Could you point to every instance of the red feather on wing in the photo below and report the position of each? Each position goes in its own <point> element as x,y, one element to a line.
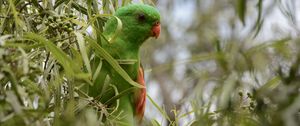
<point>140,101</point>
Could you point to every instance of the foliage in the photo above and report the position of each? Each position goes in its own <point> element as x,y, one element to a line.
<point>46,50</point>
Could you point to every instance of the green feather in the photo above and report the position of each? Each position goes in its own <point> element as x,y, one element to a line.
<point>136,21</point>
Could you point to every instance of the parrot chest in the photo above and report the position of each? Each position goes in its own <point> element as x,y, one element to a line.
<point>131,68</point>
<point>130,56</point>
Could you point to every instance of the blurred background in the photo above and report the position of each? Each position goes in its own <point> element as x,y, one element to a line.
<point>216,62</point>
<point>223,62</point>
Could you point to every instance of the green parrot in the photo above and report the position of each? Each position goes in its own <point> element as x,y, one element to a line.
<point>126,31</point>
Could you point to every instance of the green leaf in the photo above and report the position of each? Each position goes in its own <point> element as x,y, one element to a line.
<point>57,53</point>
<point>97,71</point>
<point>32,86</point>
<point>59,2</point>
<point>13,80</point>
<point>270,85</point>
<point>158,108</point>
<point>127,61</point>
<point>263,46</point>
<point>117,32</point>
<point>155,123</point>
<point>72,69</point>
<point>15,13</point>
<point>241,9</point>
<point>83,51</point>
<point>79,8</point>
<point>259,21</point>
<point>119,95</point>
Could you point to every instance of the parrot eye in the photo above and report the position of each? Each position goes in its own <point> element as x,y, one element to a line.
<point>141,17</point>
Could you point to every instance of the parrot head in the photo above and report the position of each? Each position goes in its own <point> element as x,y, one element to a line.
<point>139,22</point>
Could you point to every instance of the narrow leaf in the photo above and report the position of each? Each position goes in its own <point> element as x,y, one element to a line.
<point>158,108</point>
<point>241,9</point>
<point>83,52</point>
<point>118,30</point>
<point>57,53</point>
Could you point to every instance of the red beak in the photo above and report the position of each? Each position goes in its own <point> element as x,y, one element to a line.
<point>155,31</point>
